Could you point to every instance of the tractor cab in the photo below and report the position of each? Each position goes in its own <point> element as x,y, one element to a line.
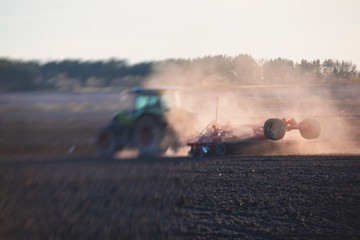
<point>156,100</point>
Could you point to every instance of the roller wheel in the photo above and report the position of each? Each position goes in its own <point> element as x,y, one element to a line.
<point>311,128</point>
<point>274,129</point>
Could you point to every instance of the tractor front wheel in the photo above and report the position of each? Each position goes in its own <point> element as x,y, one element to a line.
<point>106,142</point>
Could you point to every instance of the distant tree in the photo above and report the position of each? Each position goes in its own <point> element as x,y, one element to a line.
<point>211,65</point>
<point>247,70</point>
<point>279,71</point>
<point>70,74</point>
<point>339,72</point>
<point>309,72</point>
<point>17,75</point>
<point>344,71</point>
<point>140,69</point>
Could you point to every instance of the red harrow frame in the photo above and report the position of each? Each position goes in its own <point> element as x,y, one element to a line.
<point>221,139</point>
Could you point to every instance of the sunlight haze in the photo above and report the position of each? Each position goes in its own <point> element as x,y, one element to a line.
<point>142,30</point>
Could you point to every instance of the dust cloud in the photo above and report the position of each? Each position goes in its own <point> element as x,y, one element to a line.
<point>335,107</point>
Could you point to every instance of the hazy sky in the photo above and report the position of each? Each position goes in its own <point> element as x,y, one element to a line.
<point>140,30</point>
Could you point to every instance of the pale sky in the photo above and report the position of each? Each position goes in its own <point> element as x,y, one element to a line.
<point>145,30</point>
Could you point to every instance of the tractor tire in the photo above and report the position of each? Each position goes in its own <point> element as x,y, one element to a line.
<point>106,143</point>
<point>150,137</point>
<point>274,129</point>
<point>220,148</point>
<point>311,128</point>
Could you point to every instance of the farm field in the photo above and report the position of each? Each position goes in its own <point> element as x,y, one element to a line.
<point>243,197</point>
<point>52,185</point>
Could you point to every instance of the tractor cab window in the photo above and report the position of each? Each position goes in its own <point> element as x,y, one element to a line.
<point>147,101</point>
<point>141,101</point>
<point>154,101</point>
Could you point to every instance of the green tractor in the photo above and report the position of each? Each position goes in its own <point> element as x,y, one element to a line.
<point>144,127</point>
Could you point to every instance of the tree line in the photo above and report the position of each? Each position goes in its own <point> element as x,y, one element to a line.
<point>18,75</point>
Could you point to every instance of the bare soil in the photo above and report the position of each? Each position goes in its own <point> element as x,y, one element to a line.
<point>53,187</point>
<point>243,197</point>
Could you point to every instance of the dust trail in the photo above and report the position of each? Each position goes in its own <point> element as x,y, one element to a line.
<point>127,153</point>
<point>336,107</point>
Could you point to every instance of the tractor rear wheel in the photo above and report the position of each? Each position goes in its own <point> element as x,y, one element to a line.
<point>149,137</point>
<point>274,129</point>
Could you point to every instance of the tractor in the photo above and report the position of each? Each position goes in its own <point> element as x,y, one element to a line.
<point>146,126</point>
